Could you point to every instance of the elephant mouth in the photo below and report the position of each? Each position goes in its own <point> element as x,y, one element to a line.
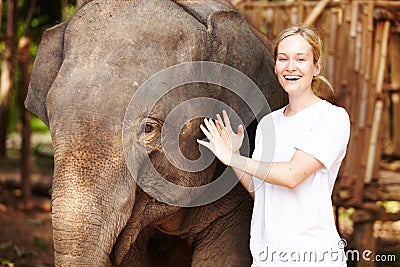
<point>145,216</point>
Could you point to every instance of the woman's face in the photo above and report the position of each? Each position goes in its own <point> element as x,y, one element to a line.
<point>294,65</point>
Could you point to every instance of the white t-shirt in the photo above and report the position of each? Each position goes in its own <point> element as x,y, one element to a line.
<point>295,227</point>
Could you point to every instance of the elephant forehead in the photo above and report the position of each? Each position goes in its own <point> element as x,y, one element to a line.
<point>112,47</point>
<point>108,31</point>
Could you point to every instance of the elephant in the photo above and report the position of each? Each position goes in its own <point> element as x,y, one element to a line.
<point>85,74</point>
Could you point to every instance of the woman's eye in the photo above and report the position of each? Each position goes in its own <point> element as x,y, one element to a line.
<point>148,128</point>
<point>282,59</point>
<point>301,59</point>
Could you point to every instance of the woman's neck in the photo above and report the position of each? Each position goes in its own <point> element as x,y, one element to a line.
<point>300,102</point>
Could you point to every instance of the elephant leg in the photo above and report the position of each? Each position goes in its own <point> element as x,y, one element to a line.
<point>156,249</point>
<point>225,242</point>
<point>168,251</point>
<point>137,255</point>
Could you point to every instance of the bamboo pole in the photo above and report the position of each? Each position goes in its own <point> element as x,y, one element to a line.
<point>359,38</point>
<point>349,191</point>
<point>365,88</point>
<point>263,4</point>
<point>331,42</point>
<point>365,63</point>
<point>342,194</point>
<point>301,10</point>
<point>395,83</point>
<point>344,46</point>
<point>353,17</point>
<point>378,106</point>
<point>372,94</point>
<point>338,57</point>
<point>388,4</point>
<point>355,100</point>
<point>316,12</point>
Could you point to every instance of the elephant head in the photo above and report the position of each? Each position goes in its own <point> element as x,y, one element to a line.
<point>84,77</point>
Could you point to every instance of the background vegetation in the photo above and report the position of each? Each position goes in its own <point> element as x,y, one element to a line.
<point>31,19</point>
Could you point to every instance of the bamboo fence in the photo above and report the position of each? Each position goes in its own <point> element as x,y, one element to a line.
<point>362,47</point>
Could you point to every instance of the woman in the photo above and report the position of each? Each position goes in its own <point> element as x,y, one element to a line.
<point>293,222</point>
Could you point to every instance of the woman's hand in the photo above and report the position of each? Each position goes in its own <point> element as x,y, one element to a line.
<point>223,141</point>
<point>228,135</point>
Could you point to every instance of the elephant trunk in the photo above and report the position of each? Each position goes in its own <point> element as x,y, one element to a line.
<point>92,197</point>
<point>76,239</point>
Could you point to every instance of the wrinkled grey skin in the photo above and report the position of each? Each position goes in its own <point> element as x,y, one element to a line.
<point>86,71</point>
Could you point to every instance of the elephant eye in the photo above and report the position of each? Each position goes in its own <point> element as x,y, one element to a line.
<point>148,128</point>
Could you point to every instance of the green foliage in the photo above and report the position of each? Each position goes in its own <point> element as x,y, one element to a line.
<point>46,13</point>
<point>70,11</point>
<point>38,126</point>
<point>41,244</point>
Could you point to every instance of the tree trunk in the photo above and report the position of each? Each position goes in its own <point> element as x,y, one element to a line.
<point>24,62</point>
<point>7,72</point>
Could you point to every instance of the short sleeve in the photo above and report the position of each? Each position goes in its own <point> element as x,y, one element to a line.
<point>327,139</point>
<point>257,145</point>
<point>263,146</point>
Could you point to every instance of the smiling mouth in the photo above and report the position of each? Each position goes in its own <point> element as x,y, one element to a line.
<point>291,77</point>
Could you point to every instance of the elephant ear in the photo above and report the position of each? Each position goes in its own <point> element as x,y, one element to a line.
<point>239,45</point>
<point>45,69</point>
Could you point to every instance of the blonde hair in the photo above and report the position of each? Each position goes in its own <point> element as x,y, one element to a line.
<point>314,40</point>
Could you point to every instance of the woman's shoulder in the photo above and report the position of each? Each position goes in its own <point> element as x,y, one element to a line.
<point>274,115</point>
<point>333,111</point>
<point>335,108</point>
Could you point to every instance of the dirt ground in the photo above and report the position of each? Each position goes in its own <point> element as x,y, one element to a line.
<point>25,227</point>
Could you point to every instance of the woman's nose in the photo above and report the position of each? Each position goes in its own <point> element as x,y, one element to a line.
<point>291,66</point>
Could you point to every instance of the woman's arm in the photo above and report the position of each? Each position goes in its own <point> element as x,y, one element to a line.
<point>289,174</point>
<point>246,180</point>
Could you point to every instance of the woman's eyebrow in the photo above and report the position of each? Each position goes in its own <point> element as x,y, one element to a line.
<point>299,53</point>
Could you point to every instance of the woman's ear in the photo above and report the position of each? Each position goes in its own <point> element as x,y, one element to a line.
<point>317,69</point>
